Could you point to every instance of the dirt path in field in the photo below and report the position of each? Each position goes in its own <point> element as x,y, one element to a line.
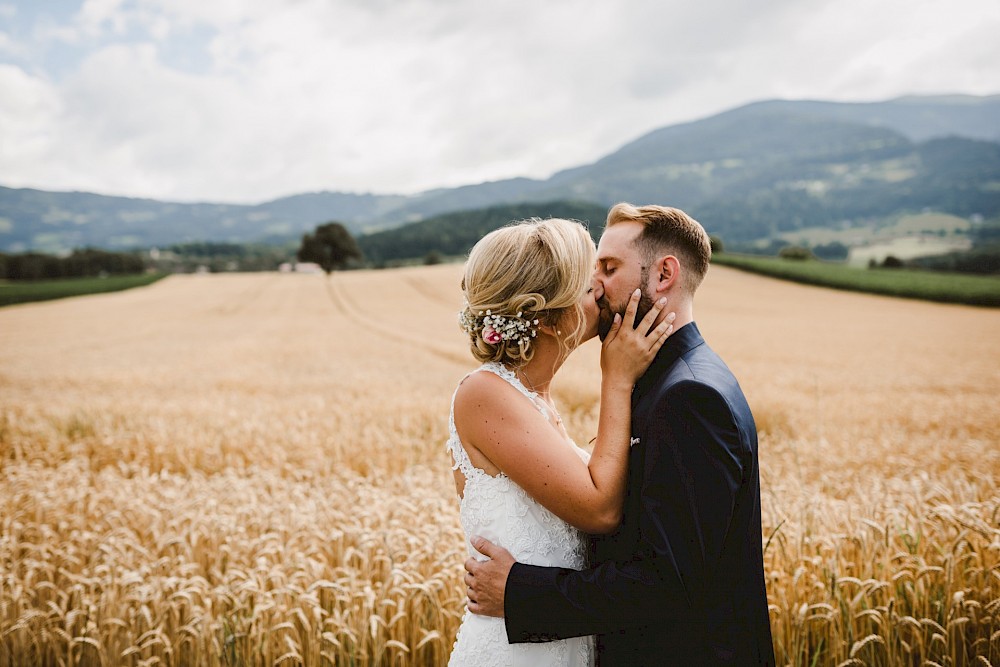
<point>394,331</point>
<point>243,300</point>
<point>426,289</point>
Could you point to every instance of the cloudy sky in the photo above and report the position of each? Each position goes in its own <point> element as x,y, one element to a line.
<point>248,100</point>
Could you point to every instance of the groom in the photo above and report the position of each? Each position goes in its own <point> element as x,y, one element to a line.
<point>681,581</point>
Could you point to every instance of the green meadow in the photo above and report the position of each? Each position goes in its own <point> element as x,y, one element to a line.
<point>909,283</point>
<point>14,292</point>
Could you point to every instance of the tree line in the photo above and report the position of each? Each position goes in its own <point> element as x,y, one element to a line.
<point>214,257</point>
<point>218,257</point>
<point>81,263</point>
<point>332,246</point>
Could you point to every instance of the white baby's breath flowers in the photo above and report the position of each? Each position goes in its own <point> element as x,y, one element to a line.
<point>496,328</point>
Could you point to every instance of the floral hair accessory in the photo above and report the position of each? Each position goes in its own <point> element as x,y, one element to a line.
<point>491,335</point>
<point>497,328</point>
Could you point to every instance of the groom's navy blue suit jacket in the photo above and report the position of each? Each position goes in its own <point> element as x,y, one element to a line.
<point>681,581</point>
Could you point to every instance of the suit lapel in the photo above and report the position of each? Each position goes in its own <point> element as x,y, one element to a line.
<point>680,343</point>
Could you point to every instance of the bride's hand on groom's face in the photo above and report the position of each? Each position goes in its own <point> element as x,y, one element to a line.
<point>628,349</point>
<point>486,580</point>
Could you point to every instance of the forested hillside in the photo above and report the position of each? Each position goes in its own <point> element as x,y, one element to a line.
<point>454,234</point>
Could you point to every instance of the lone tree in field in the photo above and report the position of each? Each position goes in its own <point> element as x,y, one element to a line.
<point>331,246</point>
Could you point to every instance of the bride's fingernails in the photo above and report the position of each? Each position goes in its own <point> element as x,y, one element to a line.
<point>662,300</point>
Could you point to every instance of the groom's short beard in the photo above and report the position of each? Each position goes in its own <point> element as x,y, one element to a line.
<point>607,315</point>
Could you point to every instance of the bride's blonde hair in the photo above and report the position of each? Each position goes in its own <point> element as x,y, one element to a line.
<point>529,270</point>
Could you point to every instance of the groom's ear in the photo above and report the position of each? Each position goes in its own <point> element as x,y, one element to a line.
<point>667,270</point>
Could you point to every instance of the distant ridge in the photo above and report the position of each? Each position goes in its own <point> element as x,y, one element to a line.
<point>747,173</point>
<point>918,117</point>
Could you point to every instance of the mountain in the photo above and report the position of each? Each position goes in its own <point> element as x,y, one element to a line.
<point>762,169</point>
<point>746,173</point>
<point>751,146</point>
<point>919,118</point>
<point>53,221</point>
<point>58,221</point>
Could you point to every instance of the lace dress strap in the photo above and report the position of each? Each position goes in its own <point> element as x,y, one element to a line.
<point>454,444</point>
<point>511,377</point>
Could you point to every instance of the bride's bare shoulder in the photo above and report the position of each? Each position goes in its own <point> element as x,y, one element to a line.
<point>487,400</point>
<point>480,390</point>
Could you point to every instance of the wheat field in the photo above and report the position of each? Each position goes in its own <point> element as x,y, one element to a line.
<point>249,469</point>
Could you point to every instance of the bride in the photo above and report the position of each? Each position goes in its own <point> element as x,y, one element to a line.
<point>523,483</point>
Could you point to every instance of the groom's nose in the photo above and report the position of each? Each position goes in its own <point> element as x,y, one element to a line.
<point>595,280</point>
<point>598,290</point>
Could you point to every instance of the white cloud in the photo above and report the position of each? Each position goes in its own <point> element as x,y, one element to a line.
<point>398,97</point>
<point>11,47</point>
<point>29,116</point>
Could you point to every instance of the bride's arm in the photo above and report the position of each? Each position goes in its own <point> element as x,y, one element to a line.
<point>515,436</point>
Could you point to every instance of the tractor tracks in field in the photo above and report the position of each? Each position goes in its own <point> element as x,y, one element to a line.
<point>422,287</point>
<point>241,301</point>
<point>343,305</point>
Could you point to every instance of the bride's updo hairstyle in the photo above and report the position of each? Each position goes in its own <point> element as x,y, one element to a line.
<point>529,270</point>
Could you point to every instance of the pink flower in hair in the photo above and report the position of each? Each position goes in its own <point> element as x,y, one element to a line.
<point>491,335</point>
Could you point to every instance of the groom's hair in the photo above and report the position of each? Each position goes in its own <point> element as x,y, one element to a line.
<point>668,231</point>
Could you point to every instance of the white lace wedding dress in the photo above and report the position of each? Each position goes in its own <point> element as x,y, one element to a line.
<point>499,510</point>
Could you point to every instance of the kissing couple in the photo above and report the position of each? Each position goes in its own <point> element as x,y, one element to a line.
<point>648,550</point>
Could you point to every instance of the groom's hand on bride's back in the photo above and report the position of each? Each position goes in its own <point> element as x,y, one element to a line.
<point>486,580</point>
